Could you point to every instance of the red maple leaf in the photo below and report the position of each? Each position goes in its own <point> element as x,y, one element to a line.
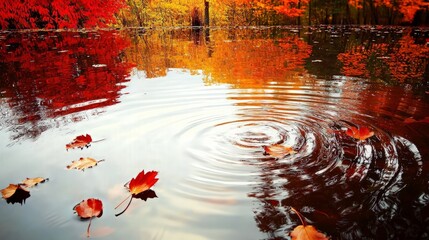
<point>80,142</point>
<point>88,209</point>
<point>140,185</point>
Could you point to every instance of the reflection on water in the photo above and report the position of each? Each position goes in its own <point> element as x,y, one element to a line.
<point>47,75</point>
<point>197,108</point>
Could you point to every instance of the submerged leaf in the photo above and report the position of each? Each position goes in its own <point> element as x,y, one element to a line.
<point>278,150</point>
<point>307,232</point>
<point>80,142</point>
<point>360,133</point>
<point>83,163</point>
<point>88,209</point>
<point>30,182</point>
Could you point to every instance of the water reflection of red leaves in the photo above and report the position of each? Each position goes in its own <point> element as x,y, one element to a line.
<point>80,142</point>
<point>87,209</point>
<point>404,60</point>
<point>139,187</point>
<point>48,74</point>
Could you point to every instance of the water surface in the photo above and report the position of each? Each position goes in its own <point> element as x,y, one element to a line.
<point>198,106</point>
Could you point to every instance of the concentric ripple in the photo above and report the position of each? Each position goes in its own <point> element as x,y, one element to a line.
<point>218,133</point>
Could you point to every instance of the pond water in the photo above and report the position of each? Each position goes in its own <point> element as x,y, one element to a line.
<point>198,106</point>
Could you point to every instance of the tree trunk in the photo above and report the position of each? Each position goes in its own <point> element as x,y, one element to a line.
<point>206,14</point>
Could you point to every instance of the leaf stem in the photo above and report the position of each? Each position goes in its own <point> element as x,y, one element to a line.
<point>87,230</point>
<point>122,202</point>
<point>125,208</point>
<point>299,215</point>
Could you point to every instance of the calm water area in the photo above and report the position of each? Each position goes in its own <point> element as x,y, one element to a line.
<point>198,105</point>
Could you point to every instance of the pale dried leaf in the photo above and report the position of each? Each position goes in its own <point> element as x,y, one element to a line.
<point>30,182</point>
<point>83,163</point>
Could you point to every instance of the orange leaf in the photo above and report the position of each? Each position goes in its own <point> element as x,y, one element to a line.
<point>278,151</point>
<point>307,233</point>
<point>143,182</point>
<point>88,209</point>
<point>360,133</point>
<point>80,142</point>
<point>10,190</point>
<point>15,193</point>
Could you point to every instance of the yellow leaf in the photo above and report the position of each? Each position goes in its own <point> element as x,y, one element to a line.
<point>307,233</point>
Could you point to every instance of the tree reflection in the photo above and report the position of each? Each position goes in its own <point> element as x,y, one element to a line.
<point>47,75</point>
<point>403,60</point>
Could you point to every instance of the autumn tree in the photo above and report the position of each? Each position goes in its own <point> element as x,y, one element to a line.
<point>58,13</point>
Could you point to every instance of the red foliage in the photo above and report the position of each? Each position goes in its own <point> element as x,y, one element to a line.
<point>58,13</point>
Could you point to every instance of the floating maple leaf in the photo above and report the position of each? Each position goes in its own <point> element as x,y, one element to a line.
<point>88,209</point>
<point>360,133</point>
<point>18,193</point>
<point>308,232</point>
<point>80,142</point>
<point>304,231</point>
<point>278,150</point>
<point>30,182</point>
<point>83,163</point>
<point>9,192</point>
<point>139,187</point>
<point>15,194</point>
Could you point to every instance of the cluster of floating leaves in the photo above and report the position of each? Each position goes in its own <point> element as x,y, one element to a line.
<point>278,151</point>
<point>139,187</point>
<point>18,193</point>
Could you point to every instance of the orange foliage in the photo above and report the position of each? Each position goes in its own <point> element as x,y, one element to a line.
<point>406,61</point>
<point>292,8</point>
<point>238,61</point>
<point>409,60</point>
